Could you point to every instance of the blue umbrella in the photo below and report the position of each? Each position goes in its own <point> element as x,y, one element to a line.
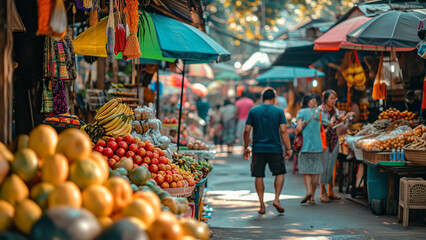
<point>288,74</point>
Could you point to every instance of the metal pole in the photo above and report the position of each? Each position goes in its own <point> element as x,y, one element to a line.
<point>181,105</point>
<point>157,103</point>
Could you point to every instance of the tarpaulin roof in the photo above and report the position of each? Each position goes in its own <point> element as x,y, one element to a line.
<point>298,56</point>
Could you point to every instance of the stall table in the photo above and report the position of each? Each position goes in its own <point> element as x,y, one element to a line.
<point>197,196</point>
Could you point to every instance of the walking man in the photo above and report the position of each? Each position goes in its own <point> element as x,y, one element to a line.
<point>269,132</point>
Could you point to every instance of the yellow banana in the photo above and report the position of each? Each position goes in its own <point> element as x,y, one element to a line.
<point>122,130</point>
<point>110,113</point>
<point>119,127</point>
<point>107,105</point>
<point>107,112</point>
<point>113,126</point>
<point>109,119</point>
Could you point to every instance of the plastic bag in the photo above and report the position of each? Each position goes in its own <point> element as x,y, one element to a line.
<point>164,142</point>
<point>147,113</point>
<point>155,124</point>
<point>58,19</point>
<point>385,141</point>
<point>379,87</point>
<point>44,14</point>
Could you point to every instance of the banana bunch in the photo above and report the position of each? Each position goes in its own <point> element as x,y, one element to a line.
<point>115,117</point>
<point>94,131</point>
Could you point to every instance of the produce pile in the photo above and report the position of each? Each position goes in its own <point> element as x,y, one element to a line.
<point>373,128</point>
<point>394,114</point>
<point>197,145</point>
<point>52,180</point>
<point>188,162</point>
<point>418,139</point>
<point>112,120</point>
<point>64,118</point>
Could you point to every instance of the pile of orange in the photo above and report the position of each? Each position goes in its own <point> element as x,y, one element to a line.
<point>64,118</point>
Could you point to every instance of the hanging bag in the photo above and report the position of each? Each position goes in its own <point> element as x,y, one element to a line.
<point>379,87</point>
<point>59,98</point>
<point>298,140</point>
<point>47,97</point>
<point>323,135</point>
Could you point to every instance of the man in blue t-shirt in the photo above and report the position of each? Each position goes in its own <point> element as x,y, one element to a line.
<point>269,132</point>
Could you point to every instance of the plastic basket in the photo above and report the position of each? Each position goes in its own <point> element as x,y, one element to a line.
<point>60,126</point>
<point>180,192</point>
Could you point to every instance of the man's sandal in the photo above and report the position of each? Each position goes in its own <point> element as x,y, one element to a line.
<point>335,196</point>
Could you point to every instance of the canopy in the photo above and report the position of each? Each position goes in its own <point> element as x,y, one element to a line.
<point>199,89</point>
<point>335,38</point>
<point>201,70</point>
<point>282,74</point>
<point>298,56</point>
<point>227,76</point>
<point>390,29</point>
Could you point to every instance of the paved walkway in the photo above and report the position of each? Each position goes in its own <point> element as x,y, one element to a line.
<point>233,197</point>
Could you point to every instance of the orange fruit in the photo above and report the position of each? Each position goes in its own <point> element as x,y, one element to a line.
<point>4,169</point>
<point>165,227</point>
<point>76,122</point>
<point>141,209</point>
<point>43,140</point>
<point>25,164</point>
<point>65,194</point>
<point>74,144</point>
<point>55,169</point>
<point>121,191</point>
<point>105,221</point>
<point>103,164</point>
<point>13,190</point>
<point>194,228</point>
<point>6,215</point>
<point>151,198</point>
<point>85,172</point>
<point>27,212</point>
<point>98,200</point>
<point>40,193</point>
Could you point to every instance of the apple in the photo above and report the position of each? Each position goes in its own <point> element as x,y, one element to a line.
<point>147,141</point>
<point>166,120</point>
<point>141,152</point>
<point>175,177</point>
<point>137,159</point>
<point>153,175</point>
<point>162,167</point>
<point>173,166</point>
<point>155,151</point>
<point>173,120</point>
<point>116,158</point>
<point>112,145</point>
<point>149,147</point>
<point>108,152</point>
<point>130,154</point>
<point>155,155</point>
<point>168,172</point>
<point>168,167</point>
<point>153,168</point>
<point>179,184</point>
<point>159,179</point>
<point>119,139</point>
<point>111,162</point>
<point>129,139</point>
<point>133,147</point>
<point>101,143</point>
<point>149,154</point>
<point>169,178</point>
<point>174,171</point>
<point>173,185</point>
<point>169,161</point>
<point>165,185</point>
<point>163,160</point>
<point>161,153</point>
<point>155,161</point>
<point>120,152</point>
<point>141,144</point>
<point>161,173</point>
<point>190,181</point>
<point>135,165</point>
<point>180,177</point>
<point>111,139</point>
<point>123,145</point>
<point>145,165</point>
<point>99,149</point>
<point>146,160</point>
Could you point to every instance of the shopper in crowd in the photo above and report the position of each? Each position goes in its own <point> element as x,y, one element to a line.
<point>329,110</point>
<point>269,132</point>
<point>216,127</point>
<point>282,101</point>
<point>203,107</point>
<point>311,153</point>
<point>228,117</point>
<point>244,104</point>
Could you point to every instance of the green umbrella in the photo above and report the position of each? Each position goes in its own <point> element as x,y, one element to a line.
<point>227,76</point>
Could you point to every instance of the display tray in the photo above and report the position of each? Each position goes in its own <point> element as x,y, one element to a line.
<point>389,163</point>
<point>180,192</point>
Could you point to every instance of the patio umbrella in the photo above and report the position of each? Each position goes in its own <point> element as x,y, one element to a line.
<point>227,76</point>
<point>199,89</point>
<point>287,74</point>
<point>390,29</point>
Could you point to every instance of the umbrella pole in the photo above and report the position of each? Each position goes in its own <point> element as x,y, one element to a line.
<point>157,102</point>
<point>181,105</point>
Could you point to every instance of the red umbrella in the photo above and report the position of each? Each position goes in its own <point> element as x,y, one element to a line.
<point>335,38</point>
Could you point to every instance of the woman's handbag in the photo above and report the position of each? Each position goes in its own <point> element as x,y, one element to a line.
<point>323,135</point>
<point>298,140</point>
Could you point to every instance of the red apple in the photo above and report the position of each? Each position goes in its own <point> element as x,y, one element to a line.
<point>173,185</point>
<point>146,160</point>
<point>145,165</point>
<point>162,167</point>
<point>119,139</point>
<point>174,171</point>
<point>166,120</point>
<point>153,175</point>
<point>175,177</point>
<point>161,153</point>
<point>169,178</point>
<point>180,177</point>
<point>155,161</point>
<point>129,139</point>
<point>133,147</point>
<point>149,147</point>
<point>99,149</point>
<point>135,165</point>
<point>111,139</point>
<point>169,161</point>
<point>108,152</point>
<point>155,155</point>
<point>149,154</point>
<point>163,160</point>
<point>161,173</point>
<point>101,143</point>
<point>165,185</point>
<point>147,141</point>
<point>179,184</point>
<point>173,120</point>
<point>153,168</point>
<point>120,152</point>
<point>141,152</point>
<point>123,145</point>
<point>168,167</point>
<point>137,160</point>
<point>130,154</point>
<point>173,166</point>
<point>116,158</point>
<point>168,172</point>
<point>159,179</point>
<point>155,151</point>
<point>141,144</point>
<point>111,162</point>
<point>112,145</point>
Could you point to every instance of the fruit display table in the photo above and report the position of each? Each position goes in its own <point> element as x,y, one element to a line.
<point>197,197</point>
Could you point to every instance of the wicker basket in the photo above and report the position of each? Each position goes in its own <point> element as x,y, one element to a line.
<point>375,157</point>
<point>417,157</point>
<point>180,192</point>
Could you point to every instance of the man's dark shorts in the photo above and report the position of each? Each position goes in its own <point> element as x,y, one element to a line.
<point>274,160</point>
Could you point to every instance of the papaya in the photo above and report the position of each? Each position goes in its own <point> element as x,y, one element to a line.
<point>55,169</point>
<point>13,190</point>
<point>27,212</point>
<point>43,140</point>
<point>25,164</point>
